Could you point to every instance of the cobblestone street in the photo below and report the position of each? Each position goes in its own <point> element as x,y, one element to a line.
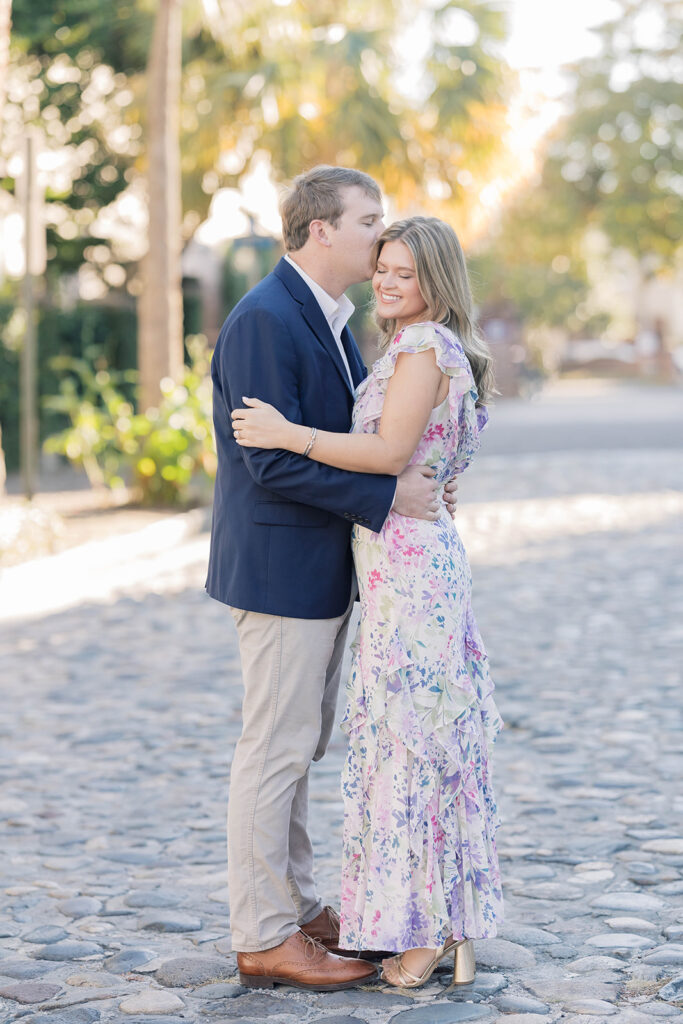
<point>120,715</point>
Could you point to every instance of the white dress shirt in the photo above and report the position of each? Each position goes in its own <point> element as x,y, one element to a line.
<point>337,313</point>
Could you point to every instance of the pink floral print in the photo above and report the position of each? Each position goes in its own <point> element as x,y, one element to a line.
<point>419,853</point>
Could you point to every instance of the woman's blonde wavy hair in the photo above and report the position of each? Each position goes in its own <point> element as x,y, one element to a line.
<point>444,285</point>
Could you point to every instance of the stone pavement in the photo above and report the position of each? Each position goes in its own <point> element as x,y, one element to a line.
<point>120,712</point>
<point>64,513</point>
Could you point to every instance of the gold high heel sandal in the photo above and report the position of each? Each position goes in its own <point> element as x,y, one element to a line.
<point>463,965</point>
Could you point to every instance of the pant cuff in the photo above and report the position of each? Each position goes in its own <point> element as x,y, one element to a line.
<point>314,913</point>
<point>261,947</point>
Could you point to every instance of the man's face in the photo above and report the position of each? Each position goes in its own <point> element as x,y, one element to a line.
<point>354,237</point>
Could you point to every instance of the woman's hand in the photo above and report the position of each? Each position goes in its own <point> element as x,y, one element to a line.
<point>260,426</point>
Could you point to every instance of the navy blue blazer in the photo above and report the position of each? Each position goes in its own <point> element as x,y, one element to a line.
<point>280,535</point>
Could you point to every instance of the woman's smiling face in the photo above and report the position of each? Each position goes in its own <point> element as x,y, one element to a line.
<point>395,285</point>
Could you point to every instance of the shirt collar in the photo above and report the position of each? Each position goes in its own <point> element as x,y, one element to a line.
<point>337,313</point>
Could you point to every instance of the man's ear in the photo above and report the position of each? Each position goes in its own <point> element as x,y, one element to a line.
<point>318,230</point>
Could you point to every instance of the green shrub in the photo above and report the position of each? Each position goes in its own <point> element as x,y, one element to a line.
<point>176,458</point>
<point>101,419</point>
<point>167,454</point>
<point>109,330</point>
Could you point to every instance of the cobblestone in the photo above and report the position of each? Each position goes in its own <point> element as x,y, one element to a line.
<point>674,990</point>
<point>122,708</point>
<point>29,991</point>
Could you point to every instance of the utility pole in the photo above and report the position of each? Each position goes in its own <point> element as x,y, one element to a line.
<point>5,27</point>
<point>34,264</point>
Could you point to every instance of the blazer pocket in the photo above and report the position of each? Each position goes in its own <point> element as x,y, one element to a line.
<point>287,513</point>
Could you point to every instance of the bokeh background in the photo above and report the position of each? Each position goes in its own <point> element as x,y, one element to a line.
<point>549,135</point>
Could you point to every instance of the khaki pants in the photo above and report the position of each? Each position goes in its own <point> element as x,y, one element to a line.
<point>291,669</point>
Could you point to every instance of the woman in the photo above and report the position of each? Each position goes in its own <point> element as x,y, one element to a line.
<point>420,870</point>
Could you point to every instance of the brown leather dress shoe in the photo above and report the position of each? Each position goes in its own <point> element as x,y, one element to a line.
<point>325,928</point>
<point>304,963</point>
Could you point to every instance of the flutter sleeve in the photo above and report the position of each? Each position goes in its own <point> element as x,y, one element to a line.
<point>451,360</point>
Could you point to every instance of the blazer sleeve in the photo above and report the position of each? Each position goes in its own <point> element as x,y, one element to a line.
<point>257,357</point>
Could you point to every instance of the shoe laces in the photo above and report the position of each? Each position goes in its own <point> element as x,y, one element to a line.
<point>312,947</point>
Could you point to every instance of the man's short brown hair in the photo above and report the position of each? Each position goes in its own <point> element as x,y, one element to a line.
<point>316,195</point>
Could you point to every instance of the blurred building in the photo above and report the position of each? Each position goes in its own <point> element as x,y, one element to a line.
<point>502,329</point>
<point>216,276</point>
<point>645,306</point>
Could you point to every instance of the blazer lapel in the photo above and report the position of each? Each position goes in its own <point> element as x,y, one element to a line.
<point>353,355</point>
<point>314,317</point>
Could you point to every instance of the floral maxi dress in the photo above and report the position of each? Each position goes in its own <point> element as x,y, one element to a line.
<point>419,854</point>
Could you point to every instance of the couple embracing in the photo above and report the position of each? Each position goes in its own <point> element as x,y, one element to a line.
<point>323,469</point>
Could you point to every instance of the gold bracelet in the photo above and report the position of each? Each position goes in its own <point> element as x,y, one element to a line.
<point>311,442</point>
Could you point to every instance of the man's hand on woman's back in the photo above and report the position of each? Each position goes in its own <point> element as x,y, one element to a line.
<point>417,494</point>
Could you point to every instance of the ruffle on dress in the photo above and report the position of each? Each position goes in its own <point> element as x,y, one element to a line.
<point>452,360</point>
<point>454,724</point>
<point>442,734</point>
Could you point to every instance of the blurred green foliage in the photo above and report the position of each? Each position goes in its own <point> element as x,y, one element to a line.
<point>617,159</point>
<point>612,166</point>
<point>73,62</point>
<point>109,330</point>
<point>103,427</point>
<point>306,83</point>
<point>97,331</point>
<point>167,455</point>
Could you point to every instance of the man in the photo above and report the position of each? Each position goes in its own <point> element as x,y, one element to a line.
<point>281,559</point>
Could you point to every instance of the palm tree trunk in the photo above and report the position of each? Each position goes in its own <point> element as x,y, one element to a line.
<point>5,24</point>
<point>160,309</point>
